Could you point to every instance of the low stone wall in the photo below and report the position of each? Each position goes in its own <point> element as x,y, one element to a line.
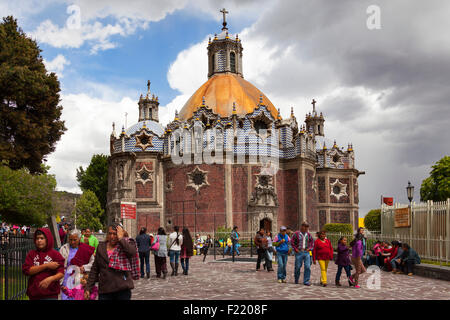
<point>432,271</point>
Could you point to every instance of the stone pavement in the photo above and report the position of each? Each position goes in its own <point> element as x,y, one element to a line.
<point>224,280</point>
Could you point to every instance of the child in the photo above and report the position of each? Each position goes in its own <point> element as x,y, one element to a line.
<point>357,253</point>
<point>77,293</point>
<point>45,266</point>
<point>343,260</point>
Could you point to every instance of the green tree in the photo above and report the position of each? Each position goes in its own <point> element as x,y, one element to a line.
<point>30,122</point>
<point>95,178</point>
<point>88,211</point>
<point>437,186</point>
<point>372,220</point>
<point>25,198</point>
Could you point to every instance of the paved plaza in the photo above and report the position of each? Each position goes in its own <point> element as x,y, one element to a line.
<point>224,280</point>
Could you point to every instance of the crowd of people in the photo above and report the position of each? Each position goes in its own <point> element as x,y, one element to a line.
<point>85,269</point>
<point>12,229</point>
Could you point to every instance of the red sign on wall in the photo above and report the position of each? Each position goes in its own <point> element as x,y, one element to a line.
<point>128,210</point>
<point>388,201</point>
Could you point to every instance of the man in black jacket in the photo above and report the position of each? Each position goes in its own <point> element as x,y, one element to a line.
<point>143,244</point>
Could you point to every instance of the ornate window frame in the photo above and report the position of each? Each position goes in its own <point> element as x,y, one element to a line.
<point>342,187</point>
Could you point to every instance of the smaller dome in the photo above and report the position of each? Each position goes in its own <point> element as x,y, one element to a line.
<point>153,126</point>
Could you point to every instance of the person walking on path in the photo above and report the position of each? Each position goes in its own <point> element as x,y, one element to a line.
<point>302,242</point>
<point>234,236</point>
<point>208,244</point>
<point>262,246</point>
<point>75,253</point>
<point>143,244</point>
<point>343,261</point>
<point>115,266</point>
<point>161,253</point>
<point>281,242</point>
<point>187,251</point>
<point>357,253</point>
<point>89,238</point>
<point>45,268</point>
<point>270,249</point>
<point>63,233</point>
<point>175,242</point>
<point>323,252</point>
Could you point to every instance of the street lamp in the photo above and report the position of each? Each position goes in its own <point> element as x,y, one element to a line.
<point>410,192</point>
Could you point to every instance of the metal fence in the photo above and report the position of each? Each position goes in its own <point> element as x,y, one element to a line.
<point>429,229</point>
<point>13,251</point>
<point>429,249</point>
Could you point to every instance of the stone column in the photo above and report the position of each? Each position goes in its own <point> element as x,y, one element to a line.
<point>228,196</point>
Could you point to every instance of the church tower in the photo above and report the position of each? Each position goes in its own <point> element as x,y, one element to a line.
<point>224,52</point>
<point>314,122</point>
<point>148,106</point>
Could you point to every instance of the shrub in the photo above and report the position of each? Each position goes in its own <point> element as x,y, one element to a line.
<point>223,233</point>
<point>344,228</point>
<point>372,220</point>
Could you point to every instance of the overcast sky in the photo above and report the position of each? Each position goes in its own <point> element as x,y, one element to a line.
<point>384,90</point>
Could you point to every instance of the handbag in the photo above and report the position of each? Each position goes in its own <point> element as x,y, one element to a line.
<point>155,246</point>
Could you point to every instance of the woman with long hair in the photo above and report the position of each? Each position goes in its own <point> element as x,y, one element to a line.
<point>143,244</point>
<point>187,250</point>
<point>357,253</point>
<point>161,253</point>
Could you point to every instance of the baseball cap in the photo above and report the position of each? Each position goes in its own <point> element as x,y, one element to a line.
<point>283,228</point>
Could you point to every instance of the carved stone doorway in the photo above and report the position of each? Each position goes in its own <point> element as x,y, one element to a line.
<point>266,224</point>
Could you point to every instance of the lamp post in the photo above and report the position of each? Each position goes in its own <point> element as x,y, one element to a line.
<point>410,192</point>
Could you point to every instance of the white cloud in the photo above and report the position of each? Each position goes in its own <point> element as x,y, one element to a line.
<point>57,64</point>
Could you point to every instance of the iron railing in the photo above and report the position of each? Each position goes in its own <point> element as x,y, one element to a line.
<point>13,251</point>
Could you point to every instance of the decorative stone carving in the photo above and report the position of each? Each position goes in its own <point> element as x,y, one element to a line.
<point>169,186</point>
<point>336,158</point>
<point>197,179</point>
<point>338,189</point>
<point>264,194</point>
<point>144,175</point>
<point>144,140</point>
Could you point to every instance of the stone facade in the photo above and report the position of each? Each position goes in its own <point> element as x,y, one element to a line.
<point>167,171</point>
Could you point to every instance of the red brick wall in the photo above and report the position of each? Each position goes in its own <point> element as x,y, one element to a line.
<point>321,187</point>
<point>356,219</point>
<point>311,199</point>
<point>148,220</point>
<point>239,181</point>
<point>344,199</point>
<point>144,191</point>
<point>340,216</point>
<point>287,193</point>
<point>322,218</point>
<point>210,199</point>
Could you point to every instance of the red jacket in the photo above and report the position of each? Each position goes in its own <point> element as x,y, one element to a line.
<point>37,258</point>
<point>322,250</point>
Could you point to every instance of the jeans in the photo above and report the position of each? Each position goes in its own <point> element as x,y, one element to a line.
<point>408,266</point>
<point>231,250</point>
<point>145,257</point>
<point>339,271</point>
<point>119,295</point>
<point>174,256</point>
<point>185,264</point>
<point>282,262</point>
<point>299,258</point>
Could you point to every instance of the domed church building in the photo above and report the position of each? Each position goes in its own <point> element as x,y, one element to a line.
<point>229,158</point>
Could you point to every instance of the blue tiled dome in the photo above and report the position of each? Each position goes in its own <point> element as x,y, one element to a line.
<point>153,126</point>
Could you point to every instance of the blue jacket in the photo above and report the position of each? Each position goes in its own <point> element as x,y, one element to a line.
<point>143,242</point>
<point>282,247</point>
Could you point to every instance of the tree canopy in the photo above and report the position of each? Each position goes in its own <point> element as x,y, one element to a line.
<point>372,220</point>
<point>25,198</point>
<point>30,122</point>
<point>89,211</point>
<point>95,178</point>
<point>437,186</point>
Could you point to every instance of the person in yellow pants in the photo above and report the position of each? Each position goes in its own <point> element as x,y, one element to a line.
<point>322,252</point>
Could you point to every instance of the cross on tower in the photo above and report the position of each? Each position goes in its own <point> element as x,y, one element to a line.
<point>148,87</point>
<point>224,12</point>
<point>314,105</point>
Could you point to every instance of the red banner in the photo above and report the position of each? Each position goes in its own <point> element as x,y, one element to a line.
<point>388,201</point>
<point>128,210</point>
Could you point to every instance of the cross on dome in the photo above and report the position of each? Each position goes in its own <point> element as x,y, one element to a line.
<point>224,12</point>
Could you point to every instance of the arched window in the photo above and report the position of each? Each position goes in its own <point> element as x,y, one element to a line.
<point>233,61</point>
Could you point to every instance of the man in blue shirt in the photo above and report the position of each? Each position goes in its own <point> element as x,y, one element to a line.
<point>281,241</point>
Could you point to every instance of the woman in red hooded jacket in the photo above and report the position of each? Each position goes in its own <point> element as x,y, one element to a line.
<point>45,266</point>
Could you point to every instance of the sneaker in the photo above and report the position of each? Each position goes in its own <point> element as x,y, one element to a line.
<point>351,280</point>
<point>280,281</point>
<point>307,284</point>
<point>296,281</point>
<point>284,280</point>
<point>410,274</point>
<point>324,284</point>
<point>357,287</point>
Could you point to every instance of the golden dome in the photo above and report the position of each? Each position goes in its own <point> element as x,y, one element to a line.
<point>220,91</point>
